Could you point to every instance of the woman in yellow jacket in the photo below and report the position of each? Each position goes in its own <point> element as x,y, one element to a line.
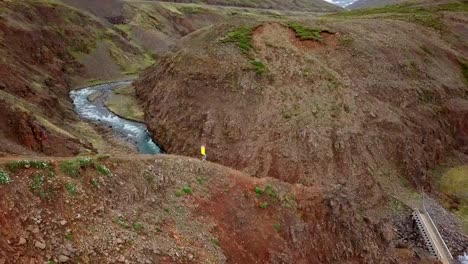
<point>203,152</point>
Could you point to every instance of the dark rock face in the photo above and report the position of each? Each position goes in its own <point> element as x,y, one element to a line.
<point>458,116</point>
<point>25,131</point>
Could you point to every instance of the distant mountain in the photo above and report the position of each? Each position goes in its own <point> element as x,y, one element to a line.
<point>378,3</point>
<point>296,5</point>
<point>342,3</point>
<point>371,3</point>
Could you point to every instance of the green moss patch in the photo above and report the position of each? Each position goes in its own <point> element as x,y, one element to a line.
<point>242,36</point>
<point>258,66</point>
<point>306,33</point>
<point>72,168</point>
<point>454,183</point>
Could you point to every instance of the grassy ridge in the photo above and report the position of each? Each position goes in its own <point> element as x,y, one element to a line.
<point>423,15</point>
<point>406,8</point>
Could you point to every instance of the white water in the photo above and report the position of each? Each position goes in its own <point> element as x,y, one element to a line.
<point>134,132</point>
<point>463,259</point>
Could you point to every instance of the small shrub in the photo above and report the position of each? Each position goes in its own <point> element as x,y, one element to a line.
<point>22,164</point>
<point>258,66</point>
<point>85,162</point>
<point>397,205</point>
<point>71,168</point>
<point>121,222</point>
<point>103,170</point>
<point>69,236</point>
<point>270,191</point>
<point>39,164</point>
<point>289,201</point>
<point>290,113</point>
<point>37,182</point>
<point>50,173</point>
<point>277,227</point>
<point>264,205</point>
<point>187,190</point>
<point>426,96</point>
<point>258,191</point>
<point>71,188</point>
<point>148,176</point>
<point>242,36</point>
<point>37,185</point>
<point>95,183</point>
<point>137,226</point>
<point>201,180</point>
<point>306,33</point>
<point>345,40</point>
<point>215,242</point>
<point>4,177</point>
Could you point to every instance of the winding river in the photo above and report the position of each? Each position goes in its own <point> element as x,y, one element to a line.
<point>131,131</point>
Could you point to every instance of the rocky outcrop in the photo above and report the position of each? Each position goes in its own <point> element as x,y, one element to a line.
<point>27,132</point>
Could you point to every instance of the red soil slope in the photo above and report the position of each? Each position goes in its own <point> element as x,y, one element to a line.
<point>140,214</point>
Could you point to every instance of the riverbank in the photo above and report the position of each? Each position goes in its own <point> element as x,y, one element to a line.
<point>122,102</point>
<point>132,132</point>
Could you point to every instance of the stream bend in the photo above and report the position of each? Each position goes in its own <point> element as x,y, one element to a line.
<point>135,133</point>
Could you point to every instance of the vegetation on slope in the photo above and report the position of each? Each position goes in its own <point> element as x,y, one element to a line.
<point>424,15</point>
<point>298,5</point>
<point>454,183</point>
<point>242,36</point>
<point>407,8</point>
<point>306,33</point>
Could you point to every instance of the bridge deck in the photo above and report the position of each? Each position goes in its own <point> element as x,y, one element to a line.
<point>432,237</point>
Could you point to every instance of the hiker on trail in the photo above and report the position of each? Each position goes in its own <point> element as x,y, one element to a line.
<point>203,152</point>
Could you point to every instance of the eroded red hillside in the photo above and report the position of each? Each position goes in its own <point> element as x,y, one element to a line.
<point>168,209</point>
